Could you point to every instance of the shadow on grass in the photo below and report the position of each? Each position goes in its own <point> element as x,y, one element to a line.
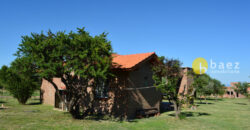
<point>34,103</point>
<point>211,99</point>
<point>117,119</point>
<point>33,111</point>
<point>36,99</point>
<point>204,103</point>
<point>192,114</point>
<point>241,103</point>
<point>2,108</point>
<point>166,106</point>
<point>102,117</point>
<point>3,102</point>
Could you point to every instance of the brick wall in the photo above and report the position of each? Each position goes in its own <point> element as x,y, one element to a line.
<point>230,93</point>
<point>121,102</point>
<point>48,91</point>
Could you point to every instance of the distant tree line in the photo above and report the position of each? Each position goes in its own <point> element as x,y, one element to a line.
<point>205,86</point>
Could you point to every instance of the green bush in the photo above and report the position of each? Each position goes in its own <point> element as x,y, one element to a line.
<point>20,79</point>
<point>20,87</point>
<point>182,116</point>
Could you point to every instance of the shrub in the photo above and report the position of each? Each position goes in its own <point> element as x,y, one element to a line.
<point>20,79</point>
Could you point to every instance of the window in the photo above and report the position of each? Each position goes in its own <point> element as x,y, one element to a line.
<point>102,88</point>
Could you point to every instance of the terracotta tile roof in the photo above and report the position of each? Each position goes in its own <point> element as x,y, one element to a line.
<point>129,61</point>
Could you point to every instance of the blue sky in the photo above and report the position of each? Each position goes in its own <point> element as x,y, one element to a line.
<point>187,29</point>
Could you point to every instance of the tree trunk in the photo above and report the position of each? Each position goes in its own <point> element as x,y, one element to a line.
<point>176,109</point>
<point>205,99</point>
<point>179,109</point>
<point>41,98</point>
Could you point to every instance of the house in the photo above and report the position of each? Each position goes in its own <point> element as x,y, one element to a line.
<point>130,93</point>
<point>230,91</point>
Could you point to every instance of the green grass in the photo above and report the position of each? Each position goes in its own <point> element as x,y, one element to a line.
<point>224,114</point>
<point>4,92</point>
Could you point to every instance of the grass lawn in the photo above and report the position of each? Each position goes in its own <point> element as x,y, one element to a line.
<point>223,114</point>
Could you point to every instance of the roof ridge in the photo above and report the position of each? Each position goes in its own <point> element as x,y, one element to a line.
<point>136,53</point>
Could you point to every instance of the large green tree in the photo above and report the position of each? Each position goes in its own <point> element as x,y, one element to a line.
<point>78,58</point>
<point>167,76</point>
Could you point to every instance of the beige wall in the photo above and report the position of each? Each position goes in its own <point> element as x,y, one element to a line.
<point>48,93</point>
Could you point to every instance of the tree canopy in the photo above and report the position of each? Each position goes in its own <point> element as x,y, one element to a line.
<point>167,76</point>
<point>78,58</point>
